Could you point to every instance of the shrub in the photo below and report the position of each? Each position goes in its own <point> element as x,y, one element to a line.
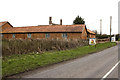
<point>20,46</point>
<point>119,39</point>
<point>98,36</point>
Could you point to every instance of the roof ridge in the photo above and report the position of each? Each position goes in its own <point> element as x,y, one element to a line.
<point>51,25</point>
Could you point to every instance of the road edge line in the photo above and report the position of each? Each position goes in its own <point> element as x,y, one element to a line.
<point>110,70</point>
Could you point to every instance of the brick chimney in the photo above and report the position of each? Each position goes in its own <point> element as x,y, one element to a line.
<point>60,21</point>
<point>50,20</point>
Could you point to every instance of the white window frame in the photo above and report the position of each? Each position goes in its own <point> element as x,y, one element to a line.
<point>47,35</point>
<point>64,35</point>
<point>29,35</point>
<point>13,36</point>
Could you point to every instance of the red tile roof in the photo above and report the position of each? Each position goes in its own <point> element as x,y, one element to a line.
<point>91,32</point>
<point>2,23</point>
<point>46,28</point>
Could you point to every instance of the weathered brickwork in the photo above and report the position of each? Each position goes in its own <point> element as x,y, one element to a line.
<point>74,35</point>
<point>84,34</point>
<point>42,36</point>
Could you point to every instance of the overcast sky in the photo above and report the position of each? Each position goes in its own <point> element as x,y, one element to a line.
<point>36,12</point>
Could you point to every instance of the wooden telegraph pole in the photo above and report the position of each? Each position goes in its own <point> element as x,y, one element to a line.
<point>100,26</point>
<point>110,26</point>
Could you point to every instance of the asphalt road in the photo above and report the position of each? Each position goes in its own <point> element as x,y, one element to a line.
<point>91,66</point>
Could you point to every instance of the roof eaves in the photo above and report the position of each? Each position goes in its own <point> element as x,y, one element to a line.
<point>43,32</point>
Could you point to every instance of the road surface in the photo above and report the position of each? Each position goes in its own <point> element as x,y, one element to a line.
<point>95,65</point>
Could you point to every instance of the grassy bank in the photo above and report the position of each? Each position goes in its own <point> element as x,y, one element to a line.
<point>20,63</point>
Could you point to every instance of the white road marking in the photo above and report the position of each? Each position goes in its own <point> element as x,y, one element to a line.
<point>105,76</point>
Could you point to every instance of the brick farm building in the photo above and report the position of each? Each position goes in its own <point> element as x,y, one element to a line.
<point>51,31</point>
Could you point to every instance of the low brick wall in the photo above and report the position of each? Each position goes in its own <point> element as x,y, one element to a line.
<point>102,40</point>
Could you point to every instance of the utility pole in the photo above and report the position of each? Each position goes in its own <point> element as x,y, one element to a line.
<point>100,26</point>
<point>110,26</point>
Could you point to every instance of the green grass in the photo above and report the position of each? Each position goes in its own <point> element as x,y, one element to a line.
<point>19,63</point>
<point>119,39</point>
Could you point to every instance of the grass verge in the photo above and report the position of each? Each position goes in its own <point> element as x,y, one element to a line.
<point>20,63</point>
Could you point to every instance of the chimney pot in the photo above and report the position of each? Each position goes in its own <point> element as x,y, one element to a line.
<point>50,20</point>
<point>60,21</point>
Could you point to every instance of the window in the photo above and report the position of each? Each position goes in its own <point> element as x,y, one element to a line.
<point>1,35</point>
<point>29,35</point>
<point>13,35</point>
<point>47,35</point>
<point>64,35</point>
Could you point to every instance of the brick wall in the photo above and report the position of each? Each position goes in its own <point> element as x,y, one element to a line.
<point>91,36</point>
<point>7,36</point>
<point>20,36</point>
<point>55,35</point>
<point>103,40</point>
<point>38,35</point>
<point>42,36</point>
<point>74,35</point>
<point>84,34</point>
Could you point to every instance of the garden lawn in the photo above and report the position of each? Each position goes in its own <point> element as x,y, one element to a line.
<point>20,63</point>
